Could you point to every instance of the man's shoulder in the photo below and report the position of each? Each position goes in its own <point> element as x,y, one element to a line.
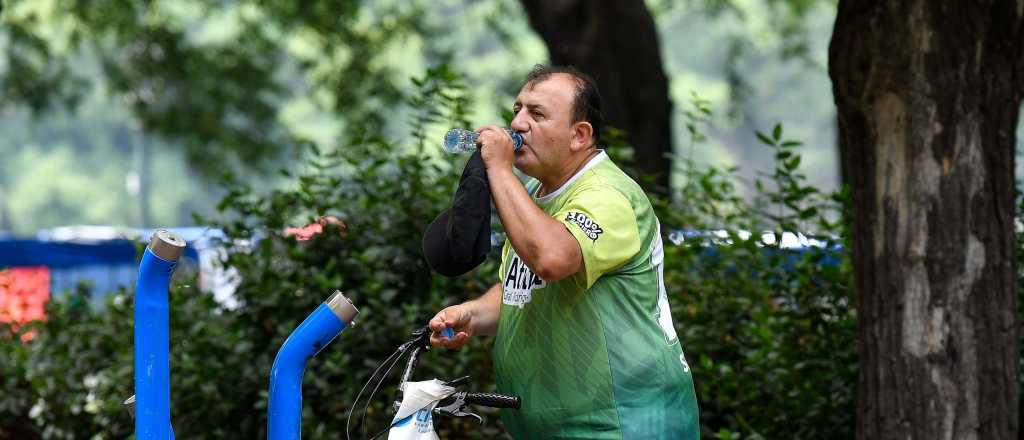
<point>609,180</point>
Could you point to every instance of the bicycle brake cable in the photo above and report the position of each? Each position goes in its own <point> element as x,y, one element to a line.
<point>362,423</point>
<point>355,403</point>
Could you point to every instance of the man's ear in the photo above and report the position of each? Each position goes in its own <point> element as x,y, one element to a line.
<point>582,136</point>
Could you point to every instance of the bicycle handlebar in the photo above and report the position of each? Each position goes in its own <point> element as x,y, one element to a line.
<point>452,406</point>
<point>454,403</point>
<point>494,400</point>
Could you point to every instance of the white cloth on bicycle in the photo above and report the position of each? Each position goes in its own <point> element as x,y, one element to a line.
<point>422,395</point>
<point>415,420</point>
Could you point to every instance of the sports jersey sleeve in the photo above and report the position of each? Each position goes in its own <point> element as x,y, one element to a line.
<point>603,222</point>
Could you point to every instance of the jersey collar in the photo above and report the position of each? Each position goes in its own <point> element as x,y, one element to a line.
<point>600,157</point>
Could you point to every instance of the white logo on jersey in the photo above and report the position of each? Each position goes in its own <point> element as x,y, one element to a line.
<point>587,224</point>
<point>664,315</point>
<point>519,283</point>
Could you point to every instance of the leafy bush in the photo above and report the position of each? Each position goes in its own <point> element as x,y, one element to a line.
<point>69,381</point>
<point>769,332</point>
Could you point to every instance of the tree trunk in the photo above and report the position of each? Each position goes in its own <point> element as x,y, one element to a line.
<point>616,42</point>
<point>928,93</point>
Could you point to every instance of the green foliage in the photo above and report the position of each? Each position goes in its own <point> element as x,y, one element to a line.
<point>69,381</point>
<point>769,333</point>
<point>209,76</point>
<point>52,183</point>
<point>338,64</point>
<point>15,387</point>
<point>387,194</point>
<point>249,84</point>
<point>78,368</point>
<point>788,20</point>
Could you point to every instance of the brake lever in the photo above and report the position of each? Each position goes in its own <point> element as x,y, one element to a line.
<point>455,383</point>
<point>457,407</point>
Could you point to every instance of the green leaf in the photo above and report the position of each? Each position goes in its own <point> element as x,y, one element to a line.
<point>793,163</point>
<point>808,213</point>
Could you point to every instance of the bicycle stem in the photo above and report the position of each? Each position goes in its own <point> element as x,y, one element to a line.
<point>284,412</point>
<point>152,340</point>
<point>410,365</point>
<point>419,344</point>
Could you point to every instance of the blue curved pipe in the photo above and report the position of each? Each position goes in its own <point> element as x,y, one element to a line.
<point>152,346</point>
<point>284,412</point>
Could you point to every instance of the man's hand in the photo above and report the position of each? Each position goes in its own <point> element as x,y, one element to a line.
<point>476,317</point>
<point>459,319</point>
<point>306,232</point>
<point>496,147</point>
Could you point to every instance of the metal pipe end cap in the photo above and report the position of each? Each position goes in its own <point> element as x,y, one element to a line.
<point>166,245</point>
<point>342,307</point>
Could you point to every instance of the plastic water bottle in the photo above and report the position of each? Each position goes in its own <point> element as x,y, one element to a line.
<point>460,140</point>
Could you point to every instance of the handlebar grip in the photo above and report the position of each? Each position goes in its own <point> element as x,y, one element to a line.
<point>494,400</point>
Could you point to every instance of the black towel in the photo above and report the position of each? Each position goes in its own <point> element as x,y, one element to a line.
<point>459,239</point>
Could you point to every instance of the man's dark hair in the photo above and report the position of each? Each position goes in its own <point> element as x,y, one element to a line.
<point>587,103</point>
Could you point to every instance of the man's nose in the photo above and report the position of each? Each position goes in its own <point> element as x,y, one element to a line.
<point>519,123</point>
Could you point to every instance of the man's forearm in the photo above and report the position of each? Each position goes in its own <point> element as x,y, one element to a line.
<point>486,311</point>
<point>541,241</point>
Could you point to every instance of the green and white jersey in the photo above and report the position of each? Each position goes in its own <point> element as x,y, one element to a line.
<point>595,355</point>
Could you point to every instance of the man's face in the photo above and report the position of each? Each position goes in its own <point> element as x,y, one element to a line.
<point>543,115</point>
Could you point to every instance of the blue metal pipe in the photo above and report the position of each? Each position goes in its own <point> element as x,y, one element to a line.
<point>152,343</point>
<point>284,412</point>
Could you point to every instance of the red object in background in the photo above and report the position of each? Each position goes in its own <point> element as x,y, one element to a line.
<point>23,294</point>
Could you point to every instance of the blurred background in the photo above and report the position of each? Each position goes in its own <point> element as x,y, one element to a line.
<point>227,121</point>
<point>94,135</point>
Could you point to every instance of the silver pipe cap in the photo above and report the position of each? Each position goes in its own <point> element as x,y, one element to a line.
<point>166,245</point>
<point>342,307</point>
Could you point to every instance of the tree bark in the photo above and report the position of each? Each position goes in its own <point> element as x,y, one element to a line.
<point>616,42</point>
<point>928,94</point>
